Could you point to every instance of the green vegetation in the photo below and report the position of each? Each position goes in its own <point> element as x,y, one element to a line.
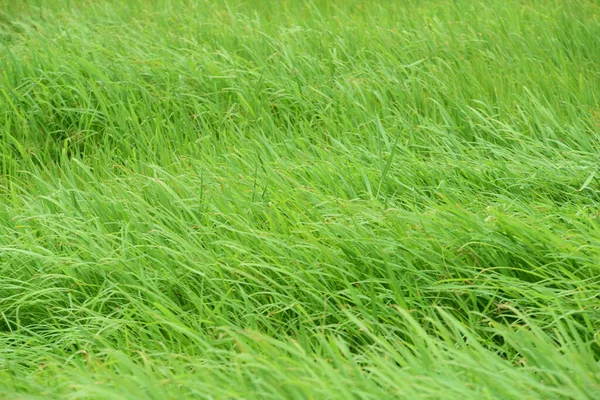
<point>332,199</point>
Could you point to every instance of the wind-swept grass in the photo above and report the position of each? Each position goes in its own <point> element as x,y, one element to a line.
<point>303,200</point>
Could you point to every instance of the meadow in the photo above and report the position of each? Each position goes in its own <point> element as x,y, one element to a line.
<point>321,199</point>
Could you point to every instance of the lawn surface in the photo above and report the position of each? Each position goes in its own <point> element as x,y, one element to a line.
<point>327,199</point>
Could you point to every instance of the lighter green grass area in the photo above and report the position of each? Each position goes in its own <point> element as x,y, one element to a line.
<point>327,199</point>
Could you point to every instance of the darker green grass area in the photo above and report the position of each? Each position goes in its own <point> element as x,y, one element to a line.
<point>303,200</point>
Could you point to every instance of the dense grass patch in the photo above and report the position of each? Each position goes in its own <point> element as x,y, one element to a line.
<point>303,200</point>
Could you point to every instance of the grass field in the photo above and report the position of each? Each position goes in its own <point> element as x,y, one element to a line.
<point>327,199</point>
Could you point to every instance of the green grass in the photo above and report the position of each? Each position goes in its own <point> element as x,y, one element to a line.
<point>328,199</point>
